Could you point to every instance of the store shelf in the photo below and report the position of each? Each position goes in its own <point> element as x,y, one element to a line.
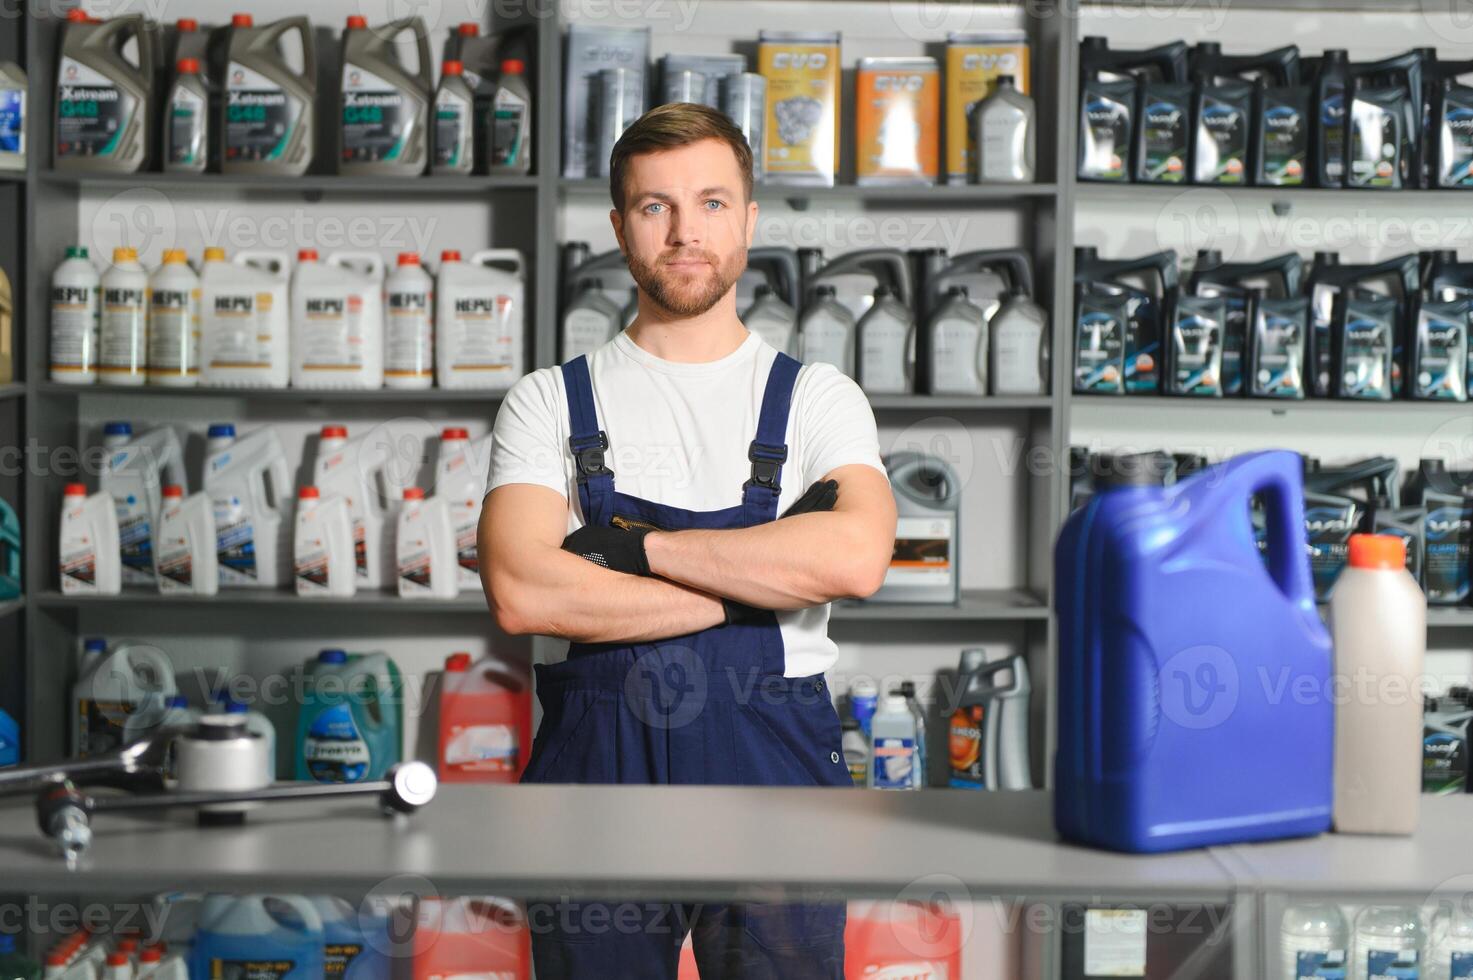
<point>12,176</point>
<point>908,193</point>
<point>615,842</point>
<point>1142,403</point>
<point>11,606</point>
<point>965,403</point>
<point>258,601</point>
<point>365,396</point>
<point>12,390</point>
<point>1450,617</point>
<point>975,605</point>
<point>309,183</point>
<point>1090,192</point>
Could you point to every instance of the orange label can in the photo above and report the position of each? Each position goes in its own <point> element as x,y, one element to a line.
<point>802,72</point>
<point>973,63</point>
<point>897,121</point>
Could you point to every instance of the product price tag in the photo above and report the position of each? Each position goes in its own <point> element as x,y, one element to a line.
<point>1115,942</point>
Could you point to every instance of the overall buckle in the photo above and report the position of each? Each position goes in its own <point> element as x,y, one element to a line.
<point>588,457</point>
<point>767,462</point>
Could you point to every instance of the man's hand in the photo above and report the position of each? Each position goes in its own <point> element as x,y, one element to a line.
<point>612,547</point>
<point>820,496</point>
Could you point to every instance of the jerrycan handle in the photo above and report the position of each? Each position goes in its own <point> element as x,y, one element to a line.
<point>501,257</point>
<point>147,656</point>
<point>311,920</point>
<point>280,480</point>
<point>422,43</point>
<point>1276,477</point>
<point>303,27</point>
<point>370,264</point>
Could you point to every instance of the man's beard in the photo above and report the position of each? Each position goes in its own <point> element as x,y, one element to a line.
<point>694,296</point>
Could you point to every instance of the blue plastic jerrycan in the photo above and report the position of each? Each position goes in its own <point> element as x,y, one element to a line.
<point>1194,698</point>
<point>276,936</point>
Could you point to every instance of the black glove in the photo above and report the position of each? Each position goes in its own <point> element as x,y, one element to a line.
<point>612,547</point>
<point>820,496</point>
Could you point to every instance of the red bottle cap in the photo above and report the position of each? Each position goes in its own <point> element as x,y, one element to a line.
<point>151,954</point>
<point>513,66</point>
<point>1377,551</point>
<point>469,29</point>
<point>117,958</point>
<point>75,490</point>
<point>409,258</point>
<point>357,21</point>
<point>452,68</point>
<point>458,662</point>
<point>187,25</point>
<point>172,490</point>
<point>306,255</point>
<point>308,493</point>
<point>455,433</point>
<point>242,20</point>
<point>334,432</point>
<point>75,16</point>
<point>413,493</point>
<point>188,66</point>
<point>450,255</point>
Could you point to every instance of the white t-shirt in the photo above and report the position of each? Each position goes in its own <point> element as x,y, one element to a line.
<point>678,435</point>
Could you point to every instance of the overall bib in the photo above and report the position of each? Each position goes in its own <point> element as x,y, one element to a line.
<point>707,708</point>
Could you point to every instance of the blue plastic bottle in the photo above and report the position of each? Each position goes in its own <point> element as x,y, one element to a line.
<point>352,720</point>
<point>1193,683</point>
<point>276,936</point>
<point>9,740</point>
<point>356,941</point>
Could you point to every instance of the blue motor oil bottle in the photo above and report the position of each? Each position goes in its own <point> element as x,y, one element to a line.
<point>1337,502</point>
<point>9,740</point>
<point>1277,278</point>
<point>1279,352</point>
<point>1194,347</point>
<point>1174,641</point>
<point>1146,283</point>
<point>1384,123</point>
<point>355,941</point>
<point>1328,102</point>
<point>1400,278</point>
<point>1448,134</point>
<point>1439,349</point>
<point>1447,496</point>
<point>262,936</point>
<point>350,728</point>
<point>1363,344</point>
<point>9,552</point>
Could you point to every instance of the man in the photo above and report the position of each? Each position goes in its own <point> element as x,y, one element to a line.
<point>697,620</point>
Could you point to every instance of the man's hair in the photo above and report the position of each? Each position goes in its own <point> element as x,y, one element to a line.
<point>676,124</point>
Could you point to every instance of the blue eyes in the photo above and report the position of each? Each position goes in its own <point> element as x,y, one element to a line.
<point>718,206</point>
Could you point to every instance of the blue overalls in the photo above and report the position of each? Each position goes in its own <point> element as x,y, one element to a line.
<point>707,708</point>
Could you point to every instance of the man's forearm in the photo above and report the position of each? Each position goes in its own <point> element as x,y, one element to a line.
<point>793,563</point>
<point>560,594</point>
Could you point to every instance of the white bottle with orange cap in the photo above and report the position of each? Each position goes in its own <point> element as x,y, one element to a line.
<point>323,562</point>
<point>185,561</point>
<point>453,132</point>
<point>91,561</point>
<point>173,323</point>
<point>425,547</point>
<point>357,470</point>
<point>460,480</point>
<point>123,330</point>
<point>1378,618</point>
<point>480,320</point>
<point>245,321</point>
<point>409,343</point>
<point>338,320</point>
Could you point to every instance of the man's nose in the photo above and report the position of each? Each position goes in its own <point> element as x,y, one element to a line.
<point>687,226</point>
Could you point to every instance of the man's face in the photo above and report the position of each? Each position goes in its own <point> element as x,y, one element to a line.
<point>686,225</point>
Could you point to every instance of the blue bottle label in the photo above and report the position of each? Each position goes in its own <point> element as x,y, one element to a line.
<point>339,956</point>
<point>219,969</point>
<point>1461,967</point>
<point>1319,966</point>
<point>894,763</point>
<point>334,749</point>
<point>1391,965</point>
<point>12,120</point>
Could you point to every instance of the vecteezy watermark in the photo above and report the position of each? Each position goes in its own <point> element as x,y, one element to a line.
<point>149,220</point>
<point>942,439</point>
<point>838,231</point>
<point>39,916</point>
<point>1198,687</point>
<point>928,20</point>
<point>666,687</point>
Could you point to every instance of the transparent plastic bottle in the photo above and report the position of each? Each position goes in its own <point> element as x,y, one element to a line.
<point>1451,944</point>
<point>1387,936</point>
<point>1310,935</point>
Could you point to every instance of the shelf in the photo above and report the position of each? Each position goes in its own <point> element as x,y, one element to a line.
<point>1270,405</point>
<point>10,606</point>
<point>680,843</point>
<point>970,403</point>
<point>254,601</point>
<point>12,176</point>
<point>1450,617</point>
<point>368,396</point>
<point>1095,192</point>
<point>975,605</point>
<point>12,390</point>
<point>923,193</point>
<point>309,183</point>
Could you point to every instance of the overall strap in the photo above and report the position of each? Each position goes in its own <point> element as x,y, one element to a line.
<point>768,451</point>
<point>588,443</point>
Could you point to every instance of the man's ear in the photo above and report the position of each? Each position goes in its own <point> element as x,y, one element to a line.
<point>751,221</point>
<point>617,220</point>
